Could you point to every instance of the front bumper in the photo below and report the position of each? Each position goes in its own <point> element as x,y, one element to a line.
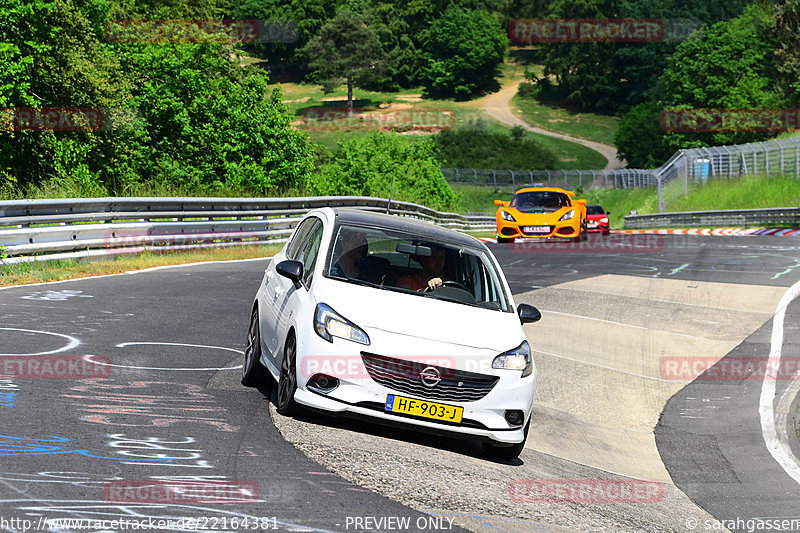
<point>358,394</point>
<point>566,229</point>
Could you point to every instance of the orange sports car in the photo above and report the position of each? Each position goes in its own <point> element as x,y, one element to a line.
<point>537,212</point>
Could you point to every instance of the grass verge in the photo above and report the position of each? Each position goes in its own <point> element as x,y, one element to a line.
<point>591,126</point>
<point>39,272</point>
<point>740,193</point>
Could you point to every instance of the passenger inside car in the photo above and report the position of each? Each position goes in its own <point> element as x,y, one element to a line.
<point>430,276</point>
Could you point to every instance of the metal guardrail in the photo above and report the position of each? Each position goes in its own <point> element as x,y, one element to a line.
<point>789,216</point>
<point>32,230</point>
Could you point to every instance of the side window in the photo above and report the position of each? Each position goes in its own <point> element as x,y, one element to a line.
<point>310,252</point>
<point>299,238</point>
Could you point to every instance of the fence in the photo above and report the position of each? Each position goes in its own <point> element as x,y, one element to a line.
<point>33,230</point>
<point>568,179</point>
<point>776,157</point>
<point>789,216</point>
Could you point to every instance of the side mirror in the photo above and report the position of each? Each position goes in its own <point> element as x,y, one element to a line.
<point>582,202</point>
<point>608,213</point>
<point>498,203</point>
<point>528,313</point>
<point>292,270</point>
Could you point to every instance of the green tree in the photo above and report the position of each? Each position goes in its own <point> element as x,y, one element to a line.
<point>367,165</point>
<point>786,19</point>
<point>210,124</point>
<point>726,66</point>
<point>639,138</point>
<point>346,50</point>
<point>464,51</point>
<point>308,15</point>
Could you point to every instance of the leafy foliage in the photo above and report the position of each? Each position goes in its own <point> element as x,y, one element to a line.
<point>200,120</point>
<point>786,19</point>
<point>725,66</point>
<point>465,50</point>
<point>475,146</point>
<point>346,50</point>
<point>366,166</point>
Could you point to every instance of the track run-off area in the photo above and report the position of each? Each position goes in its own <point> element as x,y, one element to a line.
<point>666,400</point>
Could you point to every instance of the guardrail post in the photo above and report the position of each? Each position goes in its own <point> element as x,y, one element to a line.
<point>494,177</point>
<point>475,176</point>
<point>456,176</point>
<point>513,181</point>
<point>548,178</point>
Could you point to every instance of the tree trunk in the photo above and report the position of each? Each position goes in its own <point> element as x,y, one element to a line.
<point>349,97</point>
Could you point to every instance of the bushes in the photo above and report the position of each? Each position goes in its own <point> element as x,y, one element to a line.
<point>365,166</point>
<point>475,146</point>
<point>465,50</point>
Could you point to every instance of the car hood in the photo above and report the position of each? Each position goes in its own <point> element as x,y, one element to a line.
<point>539,217</point>
<point>423,318</point>
<point>595,217</point>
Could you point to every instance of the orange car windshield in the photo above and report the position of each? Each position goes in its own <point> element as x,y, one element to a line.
<point>540,201</point>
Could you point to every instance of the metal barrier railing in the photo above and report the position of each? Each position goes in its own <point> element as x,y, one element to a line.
<point>33,230</point>
<point>789,216</point>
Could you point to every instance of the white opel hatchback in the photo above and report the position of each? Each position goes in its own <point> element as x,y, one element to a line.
<point>395,319</point>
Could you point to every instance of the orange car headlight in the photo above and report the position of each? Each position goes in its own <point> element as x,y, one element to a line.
<point>568,215</point>
<point>507,216</point>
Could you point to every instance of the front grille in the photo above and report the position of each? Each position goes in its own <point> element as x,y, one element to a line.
<point>404,376</point>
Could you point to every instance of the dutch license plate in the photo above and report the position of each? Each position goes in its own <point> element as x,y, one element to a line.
<point>437,411</point>
<point>536,229</point>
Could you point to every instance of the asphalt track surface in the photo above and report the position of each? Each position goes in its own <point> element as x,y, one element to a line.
<point>169,408</point>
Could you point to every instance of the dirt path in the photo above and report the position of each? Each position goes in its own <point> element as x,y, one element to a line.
<point>498,106</point>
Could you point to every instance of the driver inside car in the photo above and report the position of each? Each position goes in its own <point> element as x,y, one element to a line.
<point>430,276</point>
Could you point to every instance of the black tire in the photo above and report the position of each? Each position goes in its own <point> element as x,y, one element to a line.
<point>253,372</point>
<point>506,453</point>
<point>505,239</point>
<point>287,385</point>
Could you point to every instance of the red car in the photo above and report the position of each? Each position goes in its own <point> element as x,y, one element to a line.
<point>597,219</point>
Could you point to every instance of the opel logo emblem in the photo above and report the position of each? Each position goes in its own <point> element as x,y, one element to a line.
<point>430,376</point>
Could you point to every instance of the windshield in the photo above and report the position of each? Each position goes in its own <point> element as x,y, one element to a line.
<point>540,201</point>
<point>402,262</point>
<point>595,210</point>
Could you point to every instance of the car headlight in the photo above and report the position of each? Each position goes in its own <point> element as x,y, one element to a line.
<point>517,359</point>
<point>604,220</point>
<point>507,216</point>
<point>328,324</point>
<point>568,215</point>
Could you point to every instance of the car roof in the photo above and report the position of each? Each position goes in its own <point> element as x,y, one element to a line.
<point>545,189</point>
<point>425,230</point>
